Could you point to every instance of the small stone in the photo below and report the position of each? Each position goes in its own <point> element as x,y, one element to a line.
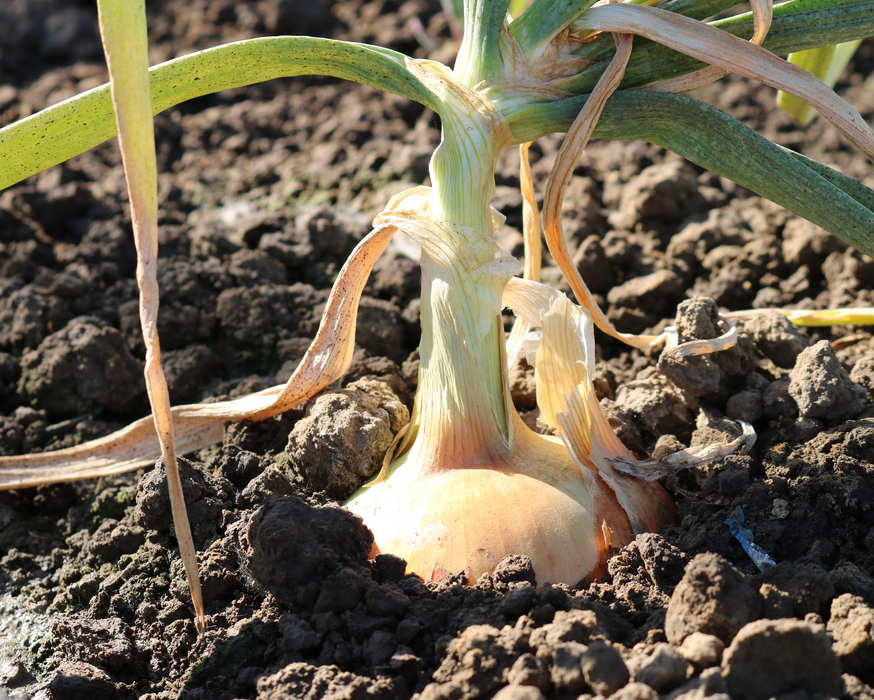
<point>772,657</point>
<point>780,509</point>
<point>664,670</point>
<point>712,598</point>
<point>702,650</point>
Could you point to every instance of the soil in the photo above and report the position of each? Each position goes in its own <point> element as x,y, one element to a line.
<point>264,192</point>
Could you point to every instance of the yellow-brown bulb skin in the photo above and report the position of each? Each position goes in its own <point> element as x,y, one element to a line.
<point>530,500</point>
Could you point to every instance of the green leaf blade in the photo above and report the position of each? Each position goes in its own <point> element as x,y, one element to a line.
<point>69,128</point>
<point>722,144</point>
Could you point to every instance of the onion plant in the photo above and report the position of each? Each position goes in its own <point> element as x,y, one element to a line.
<point>468,482</point>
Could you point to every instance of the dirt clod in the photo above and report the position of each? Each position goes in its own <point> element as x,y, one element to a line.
<point>341,442</point>
<point>84,365</point>
<point>851,625</point>
<point>771,657</point>
<point>604,669</point>
<point>702,650</point>
<point>822,388</point>
<point>663,670</point>
<point>305,680</point>
<point>290,546</point>
<point>712,598</point>
<point>76,679</point>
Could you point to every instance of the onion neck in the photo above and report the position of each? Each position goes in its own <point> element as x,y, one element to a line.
<point>461,417</point>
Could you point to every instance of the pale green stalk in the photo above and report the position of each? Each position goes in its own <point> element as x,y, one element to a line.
<point>463,370</point>
<point>826,63</point>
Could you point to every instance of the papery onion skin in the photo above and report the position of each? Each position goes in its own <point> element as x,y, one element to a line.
<point>530,500</point>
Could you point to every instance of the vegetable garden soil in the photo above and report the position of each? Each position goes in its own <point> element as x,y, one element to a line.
<point>264,191</point>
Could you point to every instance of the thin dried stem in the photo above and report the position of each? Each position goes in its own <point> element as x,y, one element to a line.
<point>331,352</point>
<point>530,218</point>
<point>859,315</point>
<point>695,456</point>
<point>677,350</point>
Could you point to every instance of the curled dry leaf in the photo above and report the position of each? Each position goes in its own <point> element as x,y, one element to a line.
<point>726,51</point>
<point>763,13</point>
<point>568,156</point>
<point>200,425</point>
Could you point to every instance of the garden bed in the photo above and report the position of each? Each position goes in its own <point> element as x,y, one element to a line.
<point>264,192</point>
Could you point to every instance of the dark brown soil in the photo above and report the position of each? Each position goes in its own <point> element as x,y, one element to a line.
<point>264,192</point>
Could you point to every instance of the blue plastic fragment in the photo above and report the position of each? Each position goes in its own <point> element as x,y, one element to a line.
<point>759,556</point>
